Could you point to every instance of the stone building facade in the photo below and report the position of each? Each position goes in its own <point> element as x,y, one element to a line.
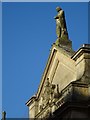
<point>64,90</point>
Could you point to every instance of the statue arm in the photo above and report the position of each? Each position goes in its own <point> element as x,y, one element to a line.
<point>56,17</point>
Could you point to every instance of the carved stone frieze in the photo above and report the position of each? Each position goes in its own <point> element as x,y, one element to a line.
<point>50,95</point>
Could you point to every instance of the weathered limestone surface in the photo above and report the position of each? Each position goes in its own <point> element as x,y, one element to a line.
<point>82,58</point>
<point>66,78</point>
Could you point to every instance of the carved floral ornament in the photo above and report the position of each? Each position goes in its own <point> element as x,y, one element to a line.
<point>49,95</point>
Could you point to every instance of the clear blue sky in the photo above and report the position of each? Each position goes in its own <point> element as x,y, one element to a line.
<point>0,58</point>
<point>29,30</point>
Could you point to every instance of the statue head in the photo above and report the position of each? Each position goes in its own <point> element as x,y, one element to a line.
<point>58,9</point>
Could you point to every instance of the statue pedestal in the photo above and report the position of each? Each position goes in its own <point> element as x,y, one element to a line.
<point>64,43</point>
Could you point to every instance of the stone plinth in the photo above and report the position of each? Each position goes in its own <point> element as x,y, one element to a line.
<point>64,43</point>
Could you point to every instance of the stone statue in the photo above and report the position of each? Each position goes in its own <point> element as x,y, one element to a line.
<point>50,93</point>
<point>47,91</point>
<point>3,115</point>
<point>61,29</point>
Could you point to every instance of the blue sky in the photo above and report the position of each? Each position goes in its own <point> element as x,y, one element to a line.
<point>0,58</point>
<point>29,29</point>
